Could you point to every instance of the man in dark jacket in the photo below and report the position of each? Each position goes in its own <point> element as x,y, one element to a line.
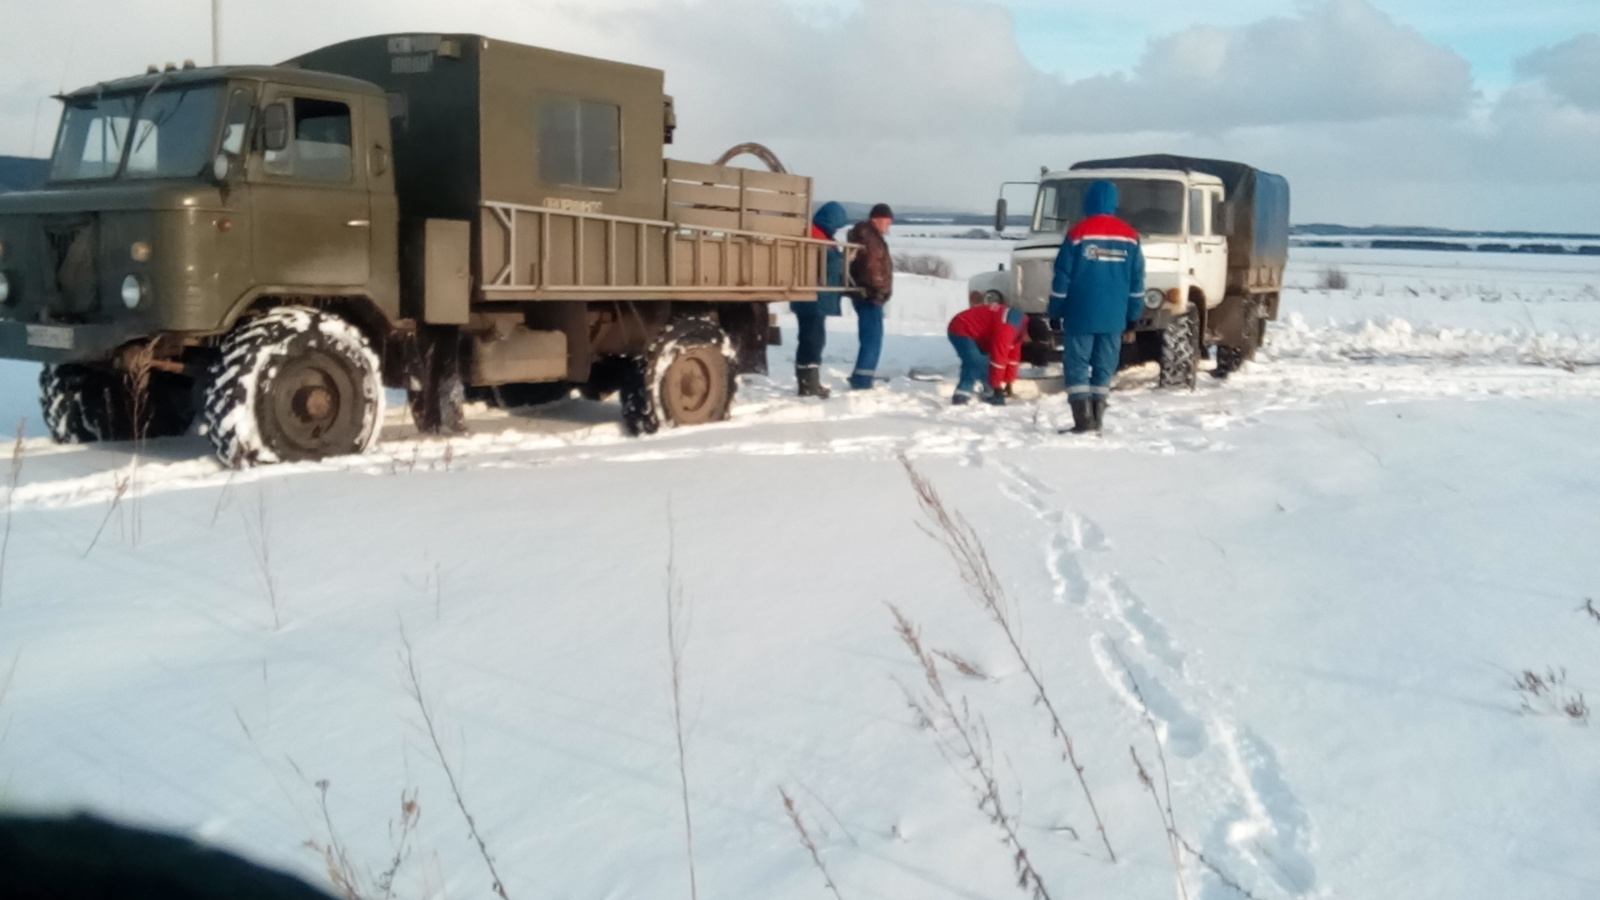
<point>1098,293</point>
<point>812,315</point>
<point>873,272</point>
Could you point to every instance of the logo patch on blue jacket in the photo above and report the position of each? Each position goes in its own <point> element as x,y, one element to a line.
<point>1104,254</point>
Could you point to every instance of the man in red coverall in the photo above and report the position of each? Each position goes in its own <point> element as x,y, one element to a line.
<point>988,338</point>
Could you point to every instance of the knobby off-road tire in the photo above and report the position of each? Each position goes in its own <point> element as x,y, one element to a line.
<point>294,384</point>
<point>1180,351</point>
<point>83,404</point>
<point>1231,359</point>
<point>686,378</point>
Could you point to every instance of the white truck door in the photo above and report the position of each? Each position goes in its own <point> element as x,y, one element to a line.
<point>1208,247</point>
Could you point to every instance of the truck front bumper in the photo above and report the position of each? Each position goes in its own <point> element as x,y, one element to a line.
<point>60,343</point>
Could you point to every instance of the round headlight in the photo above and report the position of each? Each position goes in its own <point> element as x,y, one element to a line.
<point>132,291</point>
<point>5,288</point>
<point>1153,298</point>
<point>993,297</point>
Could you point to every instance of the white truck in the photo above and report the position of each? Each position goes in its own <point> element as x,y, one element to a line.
<point>1215,236</point>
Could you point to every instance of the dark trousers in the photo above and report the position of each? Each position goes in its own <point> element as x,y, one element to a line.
<point>813,335</point>
<point>869,317</point>
<point>974,365</point>
<point>1087,363</point>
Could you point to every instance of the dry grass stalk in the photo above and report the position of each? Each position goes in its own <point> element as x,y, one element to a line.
<point>5,688</point>
<point>1179,842</point>
<point>13,476</point>
<point>119,487</point>
<point>971,753</point>
<point>335,858</point>
<point>259,534</point>
<point>831,814</point>
<point>139,362</point>
<point>1588,603</point>
<point>962,664</point>
<point>410,812</point>
<point>676,637</point>
<point>1548,694</point>
<point>807,842</point>
<point>342,872</point>
<point>414,689</point>
<point>983,585</point>
<point>222,495</point>
<point>1169,820</point>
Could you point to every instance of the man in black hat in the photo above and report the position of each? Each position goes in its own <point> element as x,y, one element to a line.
<point>873,273</point>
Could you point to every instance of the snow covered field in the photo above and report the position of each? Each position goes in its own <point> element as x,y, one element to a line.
<point>1320,579</point>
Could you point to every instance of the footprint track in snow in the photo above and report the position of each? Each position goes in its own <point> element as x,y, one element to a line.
<point>1256,828</point>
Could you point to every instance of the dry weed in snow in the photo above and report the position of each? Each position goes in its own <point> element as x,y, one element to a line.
<point>807,842</point>
<point>676,637</point>
<point>972,562</point>
<point>12,476</point>
<point>1548,694</point>
<point>970,752</point>
<point>414,690</point>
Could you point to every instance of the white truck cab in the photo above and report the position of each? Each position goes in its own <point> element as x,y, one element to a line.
<point>1185,221</point>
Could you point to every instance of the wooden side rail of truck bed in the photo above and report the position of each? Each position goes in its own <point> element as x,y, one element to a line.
<point>546,253</point>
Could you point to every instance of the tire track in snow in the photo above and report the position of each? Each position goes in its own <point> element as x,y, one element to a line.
<point>1256,827</point>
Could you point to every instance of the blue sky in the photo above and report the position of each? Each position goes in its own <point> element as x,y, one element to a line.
<point>1461,113</point>
<point>1078,39</point>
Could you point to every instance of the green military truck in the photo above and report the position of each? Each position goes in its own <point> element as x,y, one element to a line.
<point>267,248</point>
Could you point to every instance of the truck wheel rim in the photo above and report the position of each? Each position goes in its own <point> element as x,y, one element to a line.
<point>313,397</point>
<point>689,389</point>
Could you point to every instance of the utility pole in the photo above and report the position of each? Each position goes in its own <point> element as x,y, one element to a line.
<point>216,32</point>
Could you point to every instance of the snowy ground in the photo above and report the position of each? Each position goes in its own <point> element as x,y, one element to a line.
<point>1323,576</point>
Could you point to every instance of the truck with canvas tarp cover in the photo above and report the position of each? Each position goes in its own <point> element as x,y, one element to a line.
<point>267,248</point>
<point>1215,237</point>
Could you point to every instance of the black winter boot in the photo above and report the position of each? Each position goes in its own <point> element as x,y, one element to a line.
<point>809,378</point>
<point>1082,416</point>
<point>1098,409</point>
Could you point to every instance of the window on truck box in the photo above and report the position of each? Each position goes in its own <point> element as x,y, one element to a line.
<point>1153,206</point>
<point>580,143</point>
<point>319,146</point>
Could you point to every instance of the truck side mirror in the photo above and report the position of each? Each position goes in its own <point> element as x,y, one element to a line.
<point>275,128</point>
<point>1000,214</point>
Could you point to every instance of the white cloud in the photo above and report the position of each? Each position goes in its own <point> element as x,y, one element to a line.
<point>931,102</point>
<point>1340,61</point>
<point>1571,70</point>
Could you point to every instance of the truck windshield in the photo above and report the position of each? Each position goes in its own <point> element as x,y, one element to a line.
<point>1153,206</point>
<point>163,134</point>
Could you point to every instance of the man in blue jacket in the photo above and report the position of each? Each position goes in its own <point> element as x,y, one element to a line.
<point>812,315</point>
<point>1098,293</point>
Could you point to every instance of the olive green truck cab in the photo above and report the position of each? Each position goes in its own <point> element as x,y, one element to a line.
<point>267,248</point>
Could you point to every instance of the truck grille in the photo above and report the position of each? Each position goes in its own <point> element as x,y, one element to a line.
<point>72,244</point>
<point>1036,275</point>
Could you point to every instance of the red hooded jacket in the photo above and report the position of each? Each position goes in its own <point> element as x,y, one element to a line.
<point>998,331</point>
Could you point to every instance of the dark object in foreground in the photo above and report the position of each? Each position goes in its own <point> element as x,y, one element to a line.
<point>85,858</point>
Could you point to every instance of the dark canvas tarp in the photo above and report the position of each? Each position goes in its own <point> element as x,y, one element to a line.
<point>19,173</point>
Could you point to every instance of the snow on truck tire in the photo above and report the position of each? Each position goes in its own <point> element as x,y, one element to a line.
<point>85,404</point>
<point>294,384</point>
<point>1180,351</point>
<point>685,378</point>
